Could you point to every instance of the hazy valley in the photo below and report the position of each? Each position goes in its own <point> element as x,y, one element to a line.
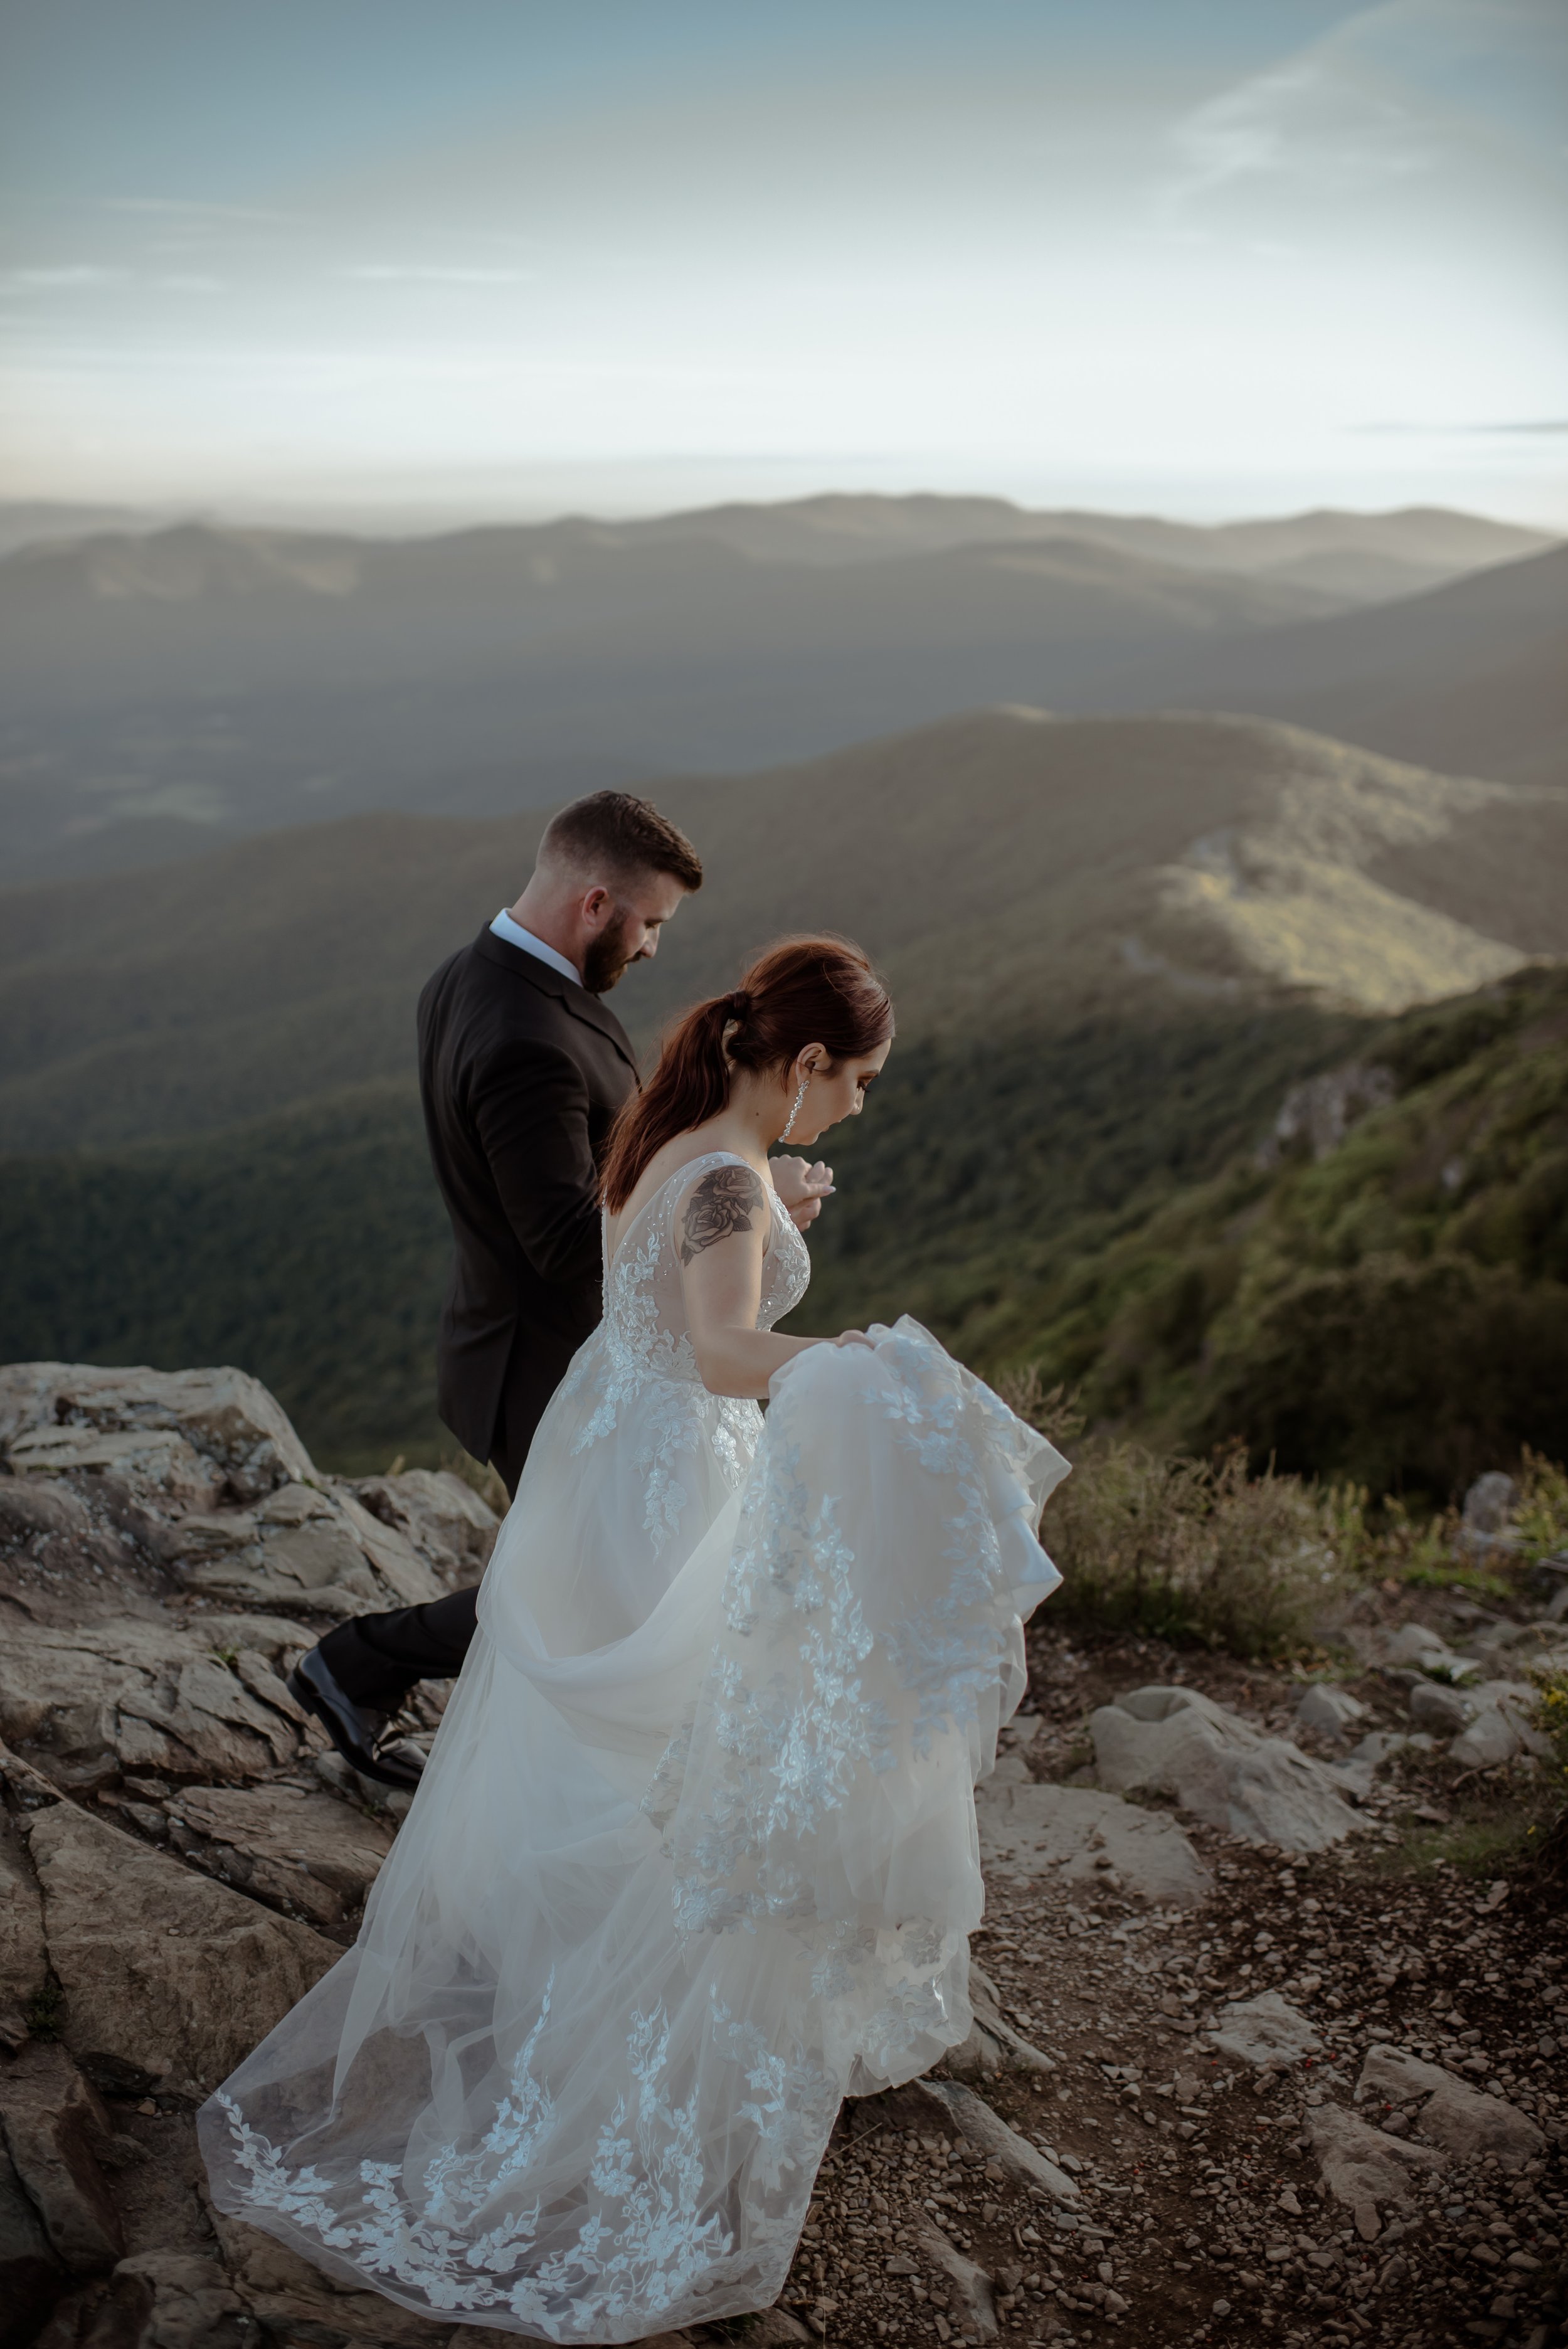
<point>168,688</point>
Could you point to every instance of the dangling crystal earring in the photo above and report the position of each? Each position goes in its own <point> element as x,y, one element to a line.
<point>795,1111</point>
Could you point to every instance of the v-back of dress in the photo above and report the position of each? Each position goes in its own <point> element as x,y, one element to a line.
<point>695,1853</point>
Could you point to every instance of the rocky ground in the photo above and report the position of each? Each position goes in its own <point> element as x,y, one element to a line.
<point>1267,2045</point>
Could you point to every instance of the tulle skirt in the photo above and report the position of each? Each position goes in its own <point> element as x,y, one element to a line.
<point>662,1902</point>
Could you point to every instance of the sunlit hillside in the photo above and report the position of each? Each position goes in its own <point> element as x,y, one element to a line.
<point>1012,873</point>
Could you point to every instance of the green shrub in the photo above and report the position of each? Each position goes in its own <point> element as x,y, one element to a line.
<point>1542,1514</point>
<point>1552,1715</point>
<point>1399,1374</point>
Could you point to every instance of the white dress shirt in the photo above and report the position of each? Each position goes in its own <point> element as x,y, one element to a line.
<point>516,936</point>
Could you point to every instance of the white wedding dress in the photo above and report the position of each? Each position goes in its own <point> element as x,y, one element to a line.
<point>695,1855</point>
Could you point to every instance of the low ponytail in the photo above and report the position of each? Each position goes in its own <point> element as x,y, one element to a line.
<point>803,991</point>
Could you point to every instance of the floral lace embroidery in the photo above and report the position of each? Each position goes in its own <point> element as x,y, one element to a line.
<point>643,1358</point>
<point>792,1743</point>
<point>646,2250</point>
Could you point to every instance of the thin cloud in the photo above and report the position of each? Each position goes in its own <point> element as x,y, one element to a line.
<point>59,277</point>
<point>419,273</point>
<point>185,208</point>
<point>1304,121</point>
<point>1418,431</point>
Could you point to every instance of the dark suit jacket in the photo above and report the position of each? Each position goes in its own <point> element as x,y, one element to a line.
<point>521,1072</point>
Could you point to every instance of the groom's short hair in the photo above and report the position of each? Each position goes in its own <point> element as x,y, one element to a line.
<point>615,832</point>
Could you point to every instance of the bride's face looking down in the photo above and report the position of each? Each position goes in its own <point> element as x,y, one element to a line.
<point>833,1092</point>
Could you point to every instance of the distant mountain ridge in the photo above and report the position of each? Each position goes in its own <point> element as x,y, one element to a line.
<point>841,527</point>
<point>166,688</point>
<point>1471,677</point>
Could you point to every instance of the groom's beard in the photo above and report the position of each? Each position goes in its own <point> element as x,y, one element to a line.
<point>607,956</point>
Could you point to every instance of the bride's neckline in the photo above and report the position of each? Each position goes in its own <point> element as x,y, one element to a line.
<point>702,1159</point>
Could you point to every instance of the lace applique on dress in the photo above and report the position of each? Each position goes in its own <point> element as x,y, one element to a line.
<point>648,2236</point>
<point>645,1355</point>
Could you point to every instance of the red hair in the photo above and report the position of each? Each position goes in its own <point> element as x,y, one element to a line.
<point>802,991</point>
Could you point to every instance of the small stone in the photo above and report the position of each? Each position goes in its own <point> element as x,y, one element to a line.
<point>1446,1711</point>
<point>1222,2308</point>
<point>1266,2032</point>
<point>1330,1711</point>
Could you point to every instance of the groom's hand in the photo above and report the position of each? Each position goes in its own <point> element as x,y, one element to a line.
<point>801,1188</point>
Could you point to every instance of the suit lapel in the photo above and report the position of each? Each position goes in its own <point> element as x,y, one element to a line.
<point>568,993</point>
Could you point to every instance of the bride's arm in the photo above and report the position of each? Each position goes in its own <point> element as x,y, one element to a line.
<point>721,1236</point>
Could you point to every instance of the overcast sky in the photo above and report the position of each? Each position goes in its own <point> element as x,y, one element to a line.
<point>1203,256</point>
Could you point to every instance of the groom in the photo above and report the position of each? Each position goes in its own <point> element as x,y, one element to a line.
<point>522,1067</point>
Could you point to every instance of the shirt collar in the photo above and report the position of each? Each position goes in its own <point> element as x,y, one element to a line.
<point>516,936</point>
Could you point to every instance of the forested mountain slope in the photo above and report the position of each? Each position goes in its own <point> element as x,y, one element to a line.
<point>1390,1307</point>
<point>1011,873</point>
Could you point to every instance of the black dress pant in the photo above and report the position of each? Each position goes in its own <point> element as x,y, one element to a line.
<point>375,1660</point>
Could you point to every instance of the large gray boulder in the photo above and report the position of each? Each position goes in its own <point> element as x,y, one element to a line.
<point>1075,1835</point>
<point>24,1954</point>
<point>232,1500</point>
<point>55,2128</point>
<point>1362,2166</point>
<point>298,2301</point>
<point>441,1517</point>
<point>171,2300</point>
<point>1503,1725</point>
<point>1176,1742</point>
<point>308,1545</point>
<point>1442,1711</point>
<point>1463,2119</point>
<point>160,1428</point>
<point>1419,1648</point>
<point>302,1852</point>
<point>131,1695</point>
<point>168,1977</point>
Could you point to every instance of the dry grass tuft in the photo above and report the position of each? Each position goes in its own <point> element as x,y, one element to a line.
<point>1184,1550</point>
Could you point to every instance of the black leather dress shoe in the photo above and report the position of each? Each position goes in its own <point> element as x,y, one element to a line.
<point>353,1732</point>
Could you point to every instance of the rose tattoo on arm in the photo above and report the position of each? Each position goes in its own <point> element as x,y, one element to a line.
<point>725,1201</point>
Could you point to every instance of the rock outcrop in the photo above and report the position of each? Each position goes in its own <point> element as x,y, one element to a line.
<point>179,1857</point>
<point>1459,2118</point>
<point>1032,1828</point>
<point>1176,1742</point>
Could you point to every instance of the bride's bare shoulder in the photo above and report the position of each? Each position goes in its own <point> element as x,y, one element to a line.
<point>729,1178</point>
<point>728,1197</point>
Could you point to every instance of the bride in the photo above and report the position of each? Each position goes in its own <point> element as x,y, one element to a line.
<point>695,1855</point>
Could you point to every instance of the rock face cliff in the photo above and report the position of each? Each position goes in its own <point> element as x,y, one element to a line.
<point>182,1855</point>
